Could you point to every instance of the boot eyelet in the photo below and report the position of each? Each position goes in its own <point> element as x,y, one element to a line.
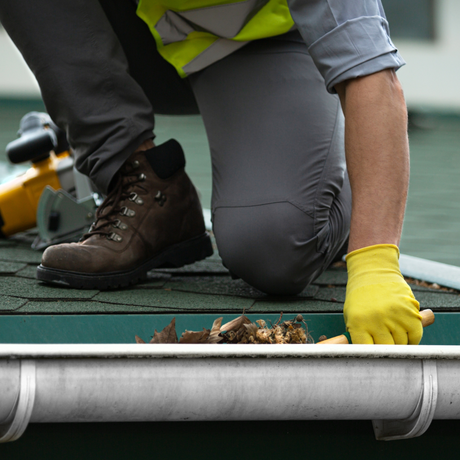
<point>142,176</point>
<point>127,212</point>
<point>160,197</point>
<point>135,197</point>
<point>119,224</point>
<point>135,164</point>
<point>114,237</point>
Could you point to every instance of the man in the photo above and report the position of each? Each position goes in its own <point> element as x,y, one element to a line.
<point>264,76</point>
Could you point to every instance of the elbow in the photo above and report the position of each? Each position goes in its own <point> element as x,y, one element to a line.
<point>374,90</point>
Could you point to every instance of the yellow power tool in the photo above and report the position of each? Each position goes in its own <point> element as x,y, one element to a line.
<point>46,194</point>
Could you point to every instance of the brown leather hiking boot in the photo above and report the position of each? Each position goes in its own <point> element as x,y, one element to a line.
<point>152,218</point>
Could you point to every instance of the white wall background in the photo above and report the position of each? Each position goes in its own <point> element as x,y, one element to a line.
<point>432,74</point>
<point>16,80</point>
<point>431,77</point>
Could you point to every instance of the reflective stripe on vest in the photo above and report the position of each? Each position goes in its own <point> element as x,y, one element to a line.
<point>192,34</point>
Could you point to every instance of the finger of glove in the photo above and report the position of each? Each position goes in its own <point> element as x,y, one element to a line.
<point>384,338</point>
<point>415,335</point>
<point>400,337</point>
<point>361,337</point>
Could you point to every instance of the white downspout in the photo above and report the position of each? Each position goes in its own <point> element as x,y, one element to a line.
<point>432,272</point>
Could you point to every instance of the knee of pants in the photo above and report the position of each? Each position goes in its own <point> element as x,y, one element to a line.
<point>272,247</point>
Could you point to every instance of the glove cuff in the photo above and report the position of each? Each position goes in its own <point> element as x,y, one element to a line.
<point>368,249</point>
<point>382,258</point>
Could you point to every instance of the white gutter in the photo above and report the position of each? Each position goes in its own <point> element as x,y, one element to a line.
<point>400,388</point>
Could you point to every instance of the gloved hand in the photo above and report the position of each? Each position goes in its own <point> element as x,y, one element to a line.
<point>379,305</point>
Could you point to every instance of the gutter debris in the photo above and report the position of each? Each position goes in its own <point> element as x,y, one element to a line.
<point>239,331</point>
<point>429,285</point>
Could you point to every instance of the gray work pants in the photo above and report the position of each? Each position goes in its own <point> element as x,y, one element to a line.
<point>281,200</point>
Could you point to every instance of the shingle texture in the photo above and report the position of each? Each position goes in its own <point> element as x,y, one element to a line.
<point>204,287</point>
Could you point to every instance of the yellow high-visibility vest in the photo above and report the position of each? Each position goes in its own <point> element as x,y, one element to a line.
<point>192,34</point>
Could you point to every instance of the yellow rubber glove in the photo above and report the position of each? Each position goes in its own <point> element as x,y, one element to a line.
<point>379,305</point>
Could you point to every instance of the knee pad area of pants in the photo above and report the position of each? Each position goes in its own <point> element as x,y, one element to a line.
<point>272,246</point>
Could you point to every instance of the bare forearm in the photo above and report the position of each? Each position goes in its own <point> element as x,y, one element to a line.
<point>377,155</point>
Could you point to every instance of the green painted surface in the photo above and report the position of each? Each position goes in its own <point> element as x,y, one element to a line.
<point>121,328</point>
<point>444,331</point>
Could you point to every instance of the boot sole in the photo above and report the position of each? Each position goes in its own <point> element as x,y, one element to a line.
<point>175,256</point>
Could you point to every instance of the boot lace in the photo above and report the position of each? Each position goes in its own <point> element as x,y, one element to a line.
<point>106,214</point>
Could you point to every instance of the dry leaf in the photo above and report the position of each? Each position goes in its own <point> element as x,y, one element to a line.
<point>235,324</point>
<point>428,285</point>
<point>167,335</point>
<point>251,329</point>
<point>205,336</point>
<point>138,339</point>
<point>214,336</point>
<point>195,337</point>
